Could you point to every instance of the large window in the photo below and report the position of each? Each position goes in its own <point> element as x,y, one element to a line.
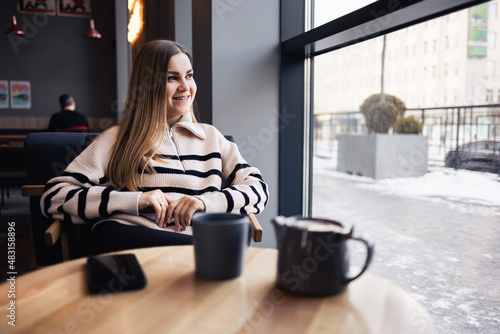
<point>436,234</point>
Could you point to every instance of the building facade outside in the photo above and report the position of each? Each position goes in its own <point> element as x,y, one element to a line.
<point>427,65</point>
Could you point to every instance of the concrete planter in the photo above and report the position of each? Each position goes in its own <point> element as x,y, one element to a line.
<point>382,156</point>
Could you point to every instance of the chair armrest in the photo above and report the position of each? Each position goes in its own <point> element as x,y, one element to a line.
<point>56,232</point>
<point>32,190</point>
<point>53,232</point>
<point>257,229</point>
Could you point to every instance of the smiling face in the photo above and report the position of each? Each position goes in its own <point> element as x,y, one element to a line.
<point>181,87</point>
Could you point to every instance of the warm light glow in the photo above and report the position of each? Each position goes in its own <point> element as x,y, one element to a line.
<point>135,22</point>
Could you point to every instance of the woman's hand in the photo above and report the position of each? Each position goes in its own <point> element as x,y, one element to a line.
<point>182,211</point>
<point>155,201</point>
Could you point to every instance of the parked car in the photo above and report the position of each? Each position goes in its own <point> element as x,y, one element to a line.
<point>480,155</point>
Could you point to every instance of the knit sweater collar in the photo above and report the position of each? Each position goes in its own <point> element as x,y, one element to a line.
<point>187,123</point>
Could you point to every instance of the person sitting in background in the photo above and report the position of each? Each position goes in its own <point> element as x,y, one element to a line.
<point>139,183</point>
<point>68,119</point>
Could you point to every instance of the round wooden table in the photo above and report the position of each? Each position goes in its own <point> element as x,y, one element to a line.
<point>56,300</point>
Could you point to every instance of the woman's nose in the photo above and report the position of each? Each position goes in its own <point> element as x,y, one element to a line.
<point>183,85</point>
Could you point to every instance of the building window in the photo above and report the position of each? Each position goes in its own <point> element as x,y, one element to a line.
<point>492,36</point>
<point>498,96</point>
<point>492,10</point>
<point>434,45</point>
<point>489,96</point>
<point>490,68</point>
<point>425,47</point>
<point>447,42</point>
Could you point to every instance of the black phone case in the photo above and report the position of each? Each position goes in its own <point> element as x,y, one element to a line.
<point>114,273</point>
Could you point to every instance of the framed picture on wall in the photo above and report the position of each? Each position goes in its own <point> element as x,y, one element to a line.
<point>20,95</point>
<point>4,94</point>
<point>75,8</point>
<point>47,7</point>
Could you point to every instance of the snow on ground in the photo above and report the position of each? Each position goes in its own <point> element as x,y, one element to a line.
<point>467,189</point>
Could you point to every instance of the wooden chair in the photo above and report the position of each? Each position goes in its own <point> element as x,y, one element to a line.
<point>47,155</point>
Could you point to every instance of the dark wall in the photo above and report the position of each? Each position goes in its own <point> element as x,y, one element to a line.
<point>159,23</point>
<point>56,59</point>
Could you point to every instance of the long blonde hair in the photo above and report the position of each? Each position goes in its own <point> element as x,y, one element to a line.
<point>145,116</point>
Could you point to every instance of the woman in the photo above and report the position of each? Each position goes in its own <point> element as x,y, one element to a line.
<point>139,183</point>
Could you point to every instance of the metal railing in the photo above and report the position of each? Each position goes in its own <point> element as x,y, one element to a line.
<point>447,128</point>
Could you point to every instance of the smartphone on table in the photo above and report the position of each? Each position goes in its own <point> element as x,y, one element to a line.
<point>114,273</point>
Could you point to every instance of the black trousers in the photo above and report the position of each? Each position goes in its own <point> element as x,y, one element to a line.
<point>112,236</point>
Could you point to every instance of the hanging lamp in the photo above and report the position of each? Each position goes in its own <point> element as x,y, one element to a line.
<point>14,29</point>
<point>92,32</point>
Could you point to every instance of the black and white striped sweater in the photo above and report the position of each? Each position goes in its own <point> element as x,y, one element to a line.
<point>196,159</point>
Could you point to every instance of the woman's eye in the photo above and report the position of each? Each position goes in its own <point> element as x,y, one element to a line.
<point>189,76</point>
<point>172,78</point>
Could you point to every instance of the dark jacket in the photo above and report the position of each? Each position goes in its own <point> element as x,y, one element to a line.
<point>68,120</point>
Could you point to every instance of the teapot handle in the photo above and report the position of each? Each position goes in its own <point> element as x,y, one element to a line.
<point>369,255</point>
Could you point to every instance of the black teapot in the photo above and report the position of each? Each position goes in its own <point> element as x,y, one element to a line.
<point>312,255</point>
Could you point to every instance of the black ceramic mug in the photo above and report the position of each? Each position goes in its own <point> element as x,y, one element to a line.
<point>312,255</point>
<point>220,242</point>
